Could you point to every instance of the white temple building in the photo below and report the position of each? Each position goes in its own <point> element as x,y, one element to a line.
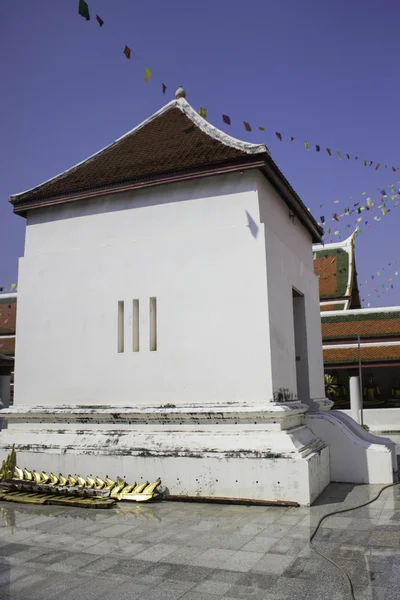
<point>167,284</point>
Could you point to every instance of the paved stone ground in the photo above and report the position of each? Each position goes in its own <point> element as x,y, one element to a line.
<point>196,551</point>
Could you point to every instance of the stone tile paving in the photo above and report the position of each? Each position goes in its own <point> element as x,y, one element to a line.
<point>199,551</point>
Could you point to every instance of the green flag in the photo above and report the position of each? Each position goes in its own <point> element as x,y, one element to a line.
<point>203,112</point>
<point>84,10</point>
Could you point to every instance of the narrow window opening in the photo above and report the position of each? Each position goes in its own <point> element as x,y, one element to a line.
<point>153,324</point>
<point>135,325</point>
<point>120,326</point>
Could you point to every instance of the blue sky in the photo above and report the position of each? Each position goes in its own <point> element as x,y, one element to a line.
<point>325,72</point>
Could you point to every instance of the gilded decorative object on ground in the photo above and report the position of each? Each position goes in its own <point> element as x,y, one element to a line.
<point>22,485</point>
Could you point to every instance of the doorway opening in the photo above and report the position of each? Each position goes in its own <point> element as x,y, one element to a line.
<point>300,345</point>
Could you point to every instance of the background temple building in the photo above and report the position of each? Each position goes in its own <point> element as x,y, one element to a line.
<point>8,314</point>
<point>353,336</point>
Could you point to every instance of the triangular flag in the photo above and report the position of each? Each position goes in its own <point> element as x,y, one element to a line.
<point>84,10</point>
<point>377,166</point>
<point>291,139</point>
<point>338,154</point>
<point>329,151</point>
<point>278,135</point>
<point>13,286</point>
<point>99,20</point>
<point>348,156</point>
<point>226,119</point>
<point>203,112</point>
<point>306,146</point>
<point>365,162</point>
<point>147,74</point>
<point>261,128</point>
<point>247,126</point>
<point>164,88</point>
<point>127,52</point>
<point>318,148</point>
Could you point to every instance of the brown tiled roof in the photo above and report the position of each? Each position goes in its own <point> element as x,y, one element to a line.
<point>368,325</point>
<point>8,314</point>
<point>172,145</point>
<point>375,354</point>
<point>7,345</point>
<point>329,307</point>
<point>167,144</point>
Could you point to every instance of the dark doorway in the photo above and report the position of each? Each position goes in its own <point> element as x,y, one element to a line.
<point>300,344</point>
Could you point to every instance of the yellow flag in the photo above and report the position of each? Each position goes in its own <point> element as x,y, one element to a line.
<point>203,112</point>
<point>13,286</point>
<point>306,145</point>
<point>147,74</point>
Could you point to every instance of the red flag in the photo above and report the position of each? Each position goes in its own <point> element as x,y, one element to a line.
<point>278,135</point>
<point>377,166</point>
<point>329,151</point>
<point>246,126</point>
<point>99,20</point>
<point>226,119</point>
<point>127,52</point>
<point>318,148</point>
<point>164,88</point>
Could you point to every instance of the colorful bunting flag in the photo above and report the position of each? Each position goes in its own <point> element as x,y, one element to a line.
<point>127,52</point>
<point>317,147</point>
<point>278,135</point>
<point>99,20</point>
<point>306,146</point>
<point>329,151</point>
<point>83,10</point>
<point>291,139</point>
<point>203,112</point>
<point>147,74</point>
<point>247,126</point>
<point>164,88</point>
<point>338,154</point>
<point>13,286</point>
<point>261,128</point>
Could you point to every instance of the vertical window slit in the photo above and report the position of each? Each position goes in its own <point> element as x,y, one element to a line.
<point>153,324</point>
<point>120,326</point>
<point>135,325</point>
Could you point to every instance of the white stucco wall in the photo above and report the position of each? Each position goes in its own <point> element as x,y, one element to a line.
<point>191,247</point>
<point>290,265</point>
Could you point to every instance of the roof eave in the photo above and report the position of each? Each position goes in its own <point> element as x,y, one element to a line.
<point>244,163</point>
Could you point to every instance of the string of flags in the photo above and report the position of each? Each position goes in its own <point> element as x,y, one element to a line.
<point>367,212</point>
<point>83,10</point>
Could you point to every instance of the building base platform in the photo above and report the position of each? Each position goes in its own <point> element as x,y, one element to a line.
<point>243,452</point>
